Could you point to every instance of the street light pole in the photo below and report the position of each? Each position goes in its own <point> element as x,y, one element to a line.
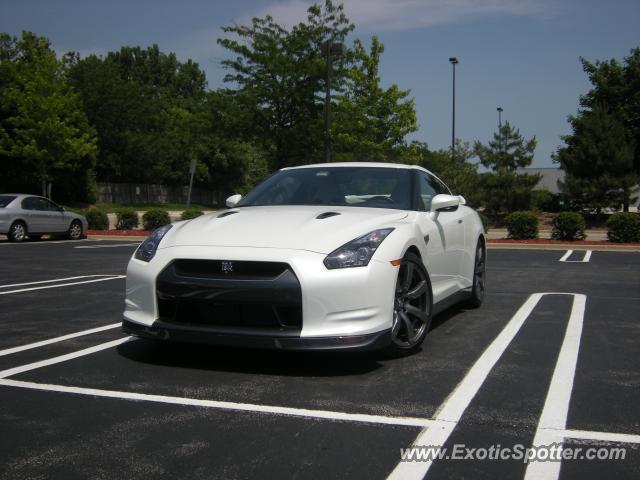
<point>500,126</point>
<point>454,62</point>
<point>329,50</point>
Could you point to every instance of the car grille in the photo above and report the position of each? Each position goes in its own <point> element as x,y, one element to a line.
<point>245,295</point>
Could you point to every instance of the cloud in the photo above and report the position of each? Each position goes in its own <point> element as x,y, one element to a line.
<point>388,15</point>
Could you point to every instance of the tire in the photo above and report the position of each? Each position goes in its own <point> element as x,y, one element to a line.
<point>17,231</point>
<point>412,309</point>
<point>479,275</point>
<point>75,230</point>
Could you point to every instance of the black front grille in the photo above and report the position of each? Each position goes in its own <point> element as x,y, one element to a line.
<point>251,295</point>
<point>229,269</point>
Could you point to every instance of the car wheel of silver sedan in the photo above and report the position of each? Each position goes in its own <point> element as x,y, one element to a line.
<point>17,232</point>
<point>75,230</point>
<point>412,309</point>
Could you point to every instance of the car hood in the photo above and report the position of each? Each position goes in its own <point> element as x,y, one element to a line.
<point>287,227</point>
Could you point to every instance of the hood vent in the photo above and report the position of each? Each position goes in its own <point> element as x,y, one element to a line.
<point>227,213</point>
<point>327,215</point>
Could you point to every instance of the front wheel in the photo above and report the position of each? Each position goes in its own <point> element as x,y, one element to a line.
<point>412,309</point>
<point>75,230</point>
<point>479,275</point>
<point>17,232</point>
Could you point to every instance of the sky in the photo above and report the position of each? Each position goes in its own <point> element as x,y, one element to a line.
<point>521,55</point>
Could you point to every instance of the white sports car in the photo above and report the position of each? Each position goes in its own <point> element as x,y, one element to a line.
<point>330,256</point>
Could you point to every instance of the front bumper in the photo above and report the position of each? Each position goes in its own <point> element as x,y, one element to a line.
<point>346,306</point>
<point>255,339</point>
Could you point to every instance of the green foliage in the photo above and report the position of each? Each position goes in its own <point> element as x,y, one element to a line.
<point>191,213</point>
<point>624,227</point>
<point>507,151</point>
<point>98,220</point>
<point>568,226</point>
<point>598,160</point>
<point>545,201</point>
<point>522,225</point>
<point>154,218</point>
<point>45,138</point>
<point>486,223</point>
<point>370,123</point>
<point>504,190</point>
<point>127,219</point>
<point>148,110</point>
<point>459,174</point>
<point>507,191</point>
<point>280,75</point>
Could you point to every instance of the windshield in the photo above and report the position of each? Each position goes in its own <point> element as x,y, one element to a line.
<point>6,200</point>
<point>335,186</point>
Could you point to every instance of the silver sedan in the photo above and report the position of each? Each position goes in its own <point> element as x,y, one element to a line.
<point>29,216</point>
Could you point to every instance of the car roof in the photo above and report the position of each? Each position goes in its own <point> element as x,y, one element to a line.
<point>360,164</point>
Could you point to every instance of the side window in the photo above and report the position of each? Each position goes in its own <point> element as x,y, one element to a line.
<point>441,187</point>
<point>49,205</point>
<point>426,191</point>
<point>30,203</point>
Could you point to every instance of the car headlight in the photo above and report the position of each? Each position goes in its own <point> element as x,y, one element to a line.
<point>147,250</point>
<point>358,252</point>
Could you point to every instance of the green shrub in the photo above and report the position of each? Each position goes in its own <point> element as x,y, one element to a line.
<point>127,219</point>
<point>97,219</point>
<point>568,226</point>
<point>154,218</point>
<point>522,225</point>
<point>191,213</point>
<point>486,223</point>
<point>624,227</point>
<point>545,201</point>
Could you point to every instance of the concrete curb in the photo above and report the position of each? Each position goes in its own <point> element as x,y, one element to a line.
<point>565,246</point>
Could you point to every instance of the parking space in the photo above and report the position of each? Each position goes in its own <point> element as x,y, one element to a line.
<point>83,401</point>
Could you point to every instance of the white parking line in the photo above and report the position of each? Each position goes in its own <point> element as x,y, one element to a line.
<point>54,280</point>
<point>245,407</point>
<point>450,412</point>
<point>601,436</point>
<point>585,259</point>
<point>110,246</point>
<point>22,348</point>
<point>63,358</point>
<point>58,285</point>
<point>556,405</point>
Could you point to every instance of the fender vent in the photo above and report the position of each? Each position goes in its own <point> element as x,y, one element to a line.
<point>226,214</point>
<point>327,215</point>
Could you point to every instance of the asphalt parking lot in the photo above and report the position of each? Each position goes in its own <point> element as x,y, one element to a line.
<point>550,358</point>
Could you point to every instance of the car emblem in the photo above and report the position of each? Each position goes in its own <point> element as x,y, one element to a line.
<point>227,267</point>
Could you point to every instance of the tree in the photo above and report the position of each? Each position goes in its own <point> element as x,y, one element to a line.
<point>371,123</point>
<point>147,108</point>
<point>601,157</point>
<point>460,175</point>
<point>44,133</point>
<point>505,190</point>
<point>280,75</point>
<point>598,161</point>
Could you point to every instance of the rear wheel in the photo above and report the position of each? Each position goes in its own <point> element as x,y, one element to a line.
<point>479,276</point>
<point>17,232</point>
<point>75,230</point>
<point>412,309</point>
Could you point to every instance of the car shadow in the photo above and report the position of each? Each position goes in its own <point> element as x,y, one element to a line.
<point>253,361</point>
<point>268,362</point>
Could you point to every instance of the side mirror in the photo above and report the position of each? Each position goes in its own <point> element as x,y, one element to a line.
<point>443,203</point>
<point>233,200</point>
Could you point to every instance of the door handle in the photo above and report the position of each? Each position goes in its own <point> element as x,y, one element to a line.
<point>459,220</point>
